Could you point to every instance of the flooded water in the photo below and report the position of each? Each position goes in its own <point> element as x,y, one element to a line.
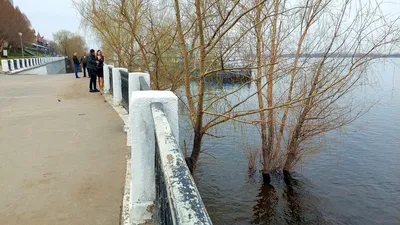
<point>354,179</point>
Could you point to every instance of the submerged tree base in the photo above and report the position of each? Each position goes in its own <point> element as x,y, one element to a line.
<point>189,163</point>
<point>287,177</point>
<point>266,178</point>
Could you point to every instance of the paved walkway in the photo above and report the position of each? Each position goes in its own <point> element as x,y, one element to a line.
<point>62,153</point>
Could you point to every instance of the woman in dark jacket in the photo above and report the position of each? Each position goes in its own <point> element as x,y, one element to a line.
<point>100,72</point>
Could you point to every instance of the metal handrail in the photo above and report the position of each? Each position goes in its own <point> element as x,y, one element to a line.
<point>111,80</point>
<point>125,89</point>
<point>143,84</point>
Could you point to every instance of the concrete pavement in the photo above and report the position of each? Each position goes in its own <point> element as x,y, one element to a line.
<point>62,153</point>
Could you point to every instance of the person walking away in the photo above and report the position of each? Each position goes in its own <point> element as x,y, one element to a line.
<point>76,64</point>
<point>91,66</point>
<point>99,69</point>
<point>84,64</point>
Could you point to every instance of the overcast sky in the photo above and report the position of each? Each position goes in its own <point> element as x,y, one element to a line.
<point>50,16</point>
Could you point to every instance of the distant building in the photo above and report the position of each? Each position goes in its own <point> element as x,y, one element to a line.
<point>12,2</point>
<point>41,45</point>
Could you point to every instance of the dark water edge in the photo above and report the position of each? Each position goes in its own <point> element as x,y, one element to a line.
<point>354,179</point>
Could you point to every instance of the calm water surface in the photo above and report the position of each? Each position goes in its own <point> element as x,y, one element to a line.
<point>355,179</point>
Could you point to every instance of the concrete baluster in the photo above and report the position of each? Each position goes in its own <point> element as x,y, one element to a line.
<point>117,90</point>
<point>4,65</point>
<point>11,64</point>
<point>134,84</point>
<point>106,78</point>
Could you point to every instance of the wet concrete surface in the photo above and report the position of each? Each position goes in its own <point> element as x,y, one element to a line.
<point>62,153</point>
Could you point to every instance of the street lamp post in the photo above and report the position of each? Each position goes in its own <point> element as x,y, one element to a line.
<point>22,47</point>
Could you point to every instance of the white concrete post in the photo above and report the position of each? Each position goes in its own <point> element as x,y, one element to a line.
<point>26,63</point>
<point>117,90</point>
<point>4,65</point>
<point>134,84</point>
<point>11,64</point>
<point>141,125</point>
<point>106,73</point>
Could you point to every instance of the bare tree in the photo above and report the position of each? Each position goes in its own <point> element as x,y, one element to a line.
<point>329,62</point>
<point>14,21</point>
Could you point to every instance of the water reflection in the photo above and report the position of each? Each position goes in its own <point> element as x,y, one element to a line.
<point>294,202</point>
<point>336,186</point>
<point>264,209</point>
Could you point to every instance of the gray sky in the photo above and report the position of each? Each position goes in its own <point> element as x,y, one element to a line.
<point>50,16</point>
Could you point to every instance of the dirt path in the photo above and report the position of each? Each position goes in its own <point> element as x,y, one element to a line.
<point>62,153</point>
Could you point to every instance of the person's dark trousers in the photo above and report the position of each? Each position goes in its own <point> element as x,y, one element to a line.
<point>92,75</point>
<point>76,70</point>
<point>84,70</point>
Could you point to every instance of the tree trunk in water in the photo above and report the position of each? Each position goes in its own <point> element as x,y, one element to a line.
<point>194,157</point>
<point>264,140</point>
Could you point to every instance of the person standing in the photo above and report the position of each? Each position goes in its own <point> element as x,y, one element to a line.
<point>76,64</point>
<point>91,66</point>
<point>84,64</point>
<point>100,64</point>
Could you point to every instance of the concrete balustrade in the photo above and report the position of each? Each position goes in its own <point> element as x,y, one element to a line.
<point>153,134</point>
<point>143,148</point>
<point>12,66</point>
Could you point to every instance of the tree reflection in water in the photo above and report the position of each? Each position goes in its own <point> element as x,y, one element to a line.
<point>287,203</point>
<point>264,210</point>
<point>294,214</point>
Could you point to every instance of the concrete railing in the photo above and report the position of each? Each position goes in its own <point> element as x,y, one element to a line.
<point>12,66</point>
<point>162,188</point>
